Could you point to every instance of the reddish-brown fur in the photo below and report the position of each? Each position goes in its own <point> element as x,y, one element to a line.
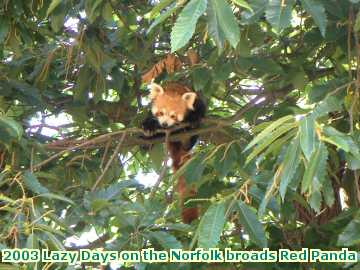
<point>174,103</point>
<point>174,91</point>
<point>179,157</point>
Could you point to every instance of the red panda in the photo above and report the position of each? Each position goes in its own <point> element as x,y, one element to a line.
<point>171,105</point>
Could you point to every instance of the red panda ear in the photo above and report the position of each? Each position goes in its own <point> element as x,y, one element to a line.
<point>189,98</point>
<point>155,90</point>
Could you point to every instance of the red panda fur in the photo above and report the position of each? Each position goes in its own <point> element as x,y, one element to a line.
<point>179,158</point>
<point>168,103</point>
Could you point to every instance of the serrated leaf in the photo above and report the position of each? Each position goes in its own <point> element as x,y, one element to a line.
<point>307,136</point>
<point>351,234</point>
<point>278,13</point>
<point>317,11</point>
<point>267,131</point>
<point>269,140</point>
<point>242,3</point>
<point>290,164</point>
<point>252,225</point>
<point>214,27</point>
<point>315,170</point>
<point>185,24</point>
<point>166,240</point>
<point>56,197</point>
<point>211,226</point>
<point>32,183</point>
<point>224,20</point>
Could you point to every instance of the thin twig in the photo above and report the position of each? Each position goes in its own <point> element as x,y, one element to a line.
<point>108,164</point>
<point>95,140</point>
<point>105,154</point>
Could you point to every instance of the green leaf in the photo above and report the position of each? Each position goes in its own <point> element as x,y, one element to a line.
<point>200,78</point>
<point>278,13</point>
<point>4,28</point>
<point>185,24</point>
<point>315,170</point>
<point>307,136</point>
<point>53,5</point>
<point>252,226</point>
<point>224,159</point>
<point>32,183</point>
<point>194,168</point>
<point>57,19</point>
<point>242,3</point>
<point>162,17</point>
<point>107,12</point>
<point>329,104</point>
<point>32,241</point>
<point>351,234</point>
<point>214,27</point>
<point>270,139</point>
<point>328,192</point>
<point>211,226</point>
<point>56,197</point>
<point>54,241</point>
<point>267,131</point>
<point>341,140</point>
<point>252,17</point>
<point>317,11</point>
<point>290,164</point>
<point>156,155</point>
<point>10,129</point>
<point>166,240</point>
<point>315,199</point>
<point>356,25</point>
<point>224,22</point>
<point>159,7</point>
<point>353,162</point>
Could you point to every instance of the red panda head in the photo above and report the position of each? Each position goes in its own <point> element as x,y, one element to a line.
<point>171,103</point>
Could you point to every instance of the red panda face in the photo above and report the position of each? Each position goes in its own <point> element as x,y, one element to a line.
<point>170,107</point>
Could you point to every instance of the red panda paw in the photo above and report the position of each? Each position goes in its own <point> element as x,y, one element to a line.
<point>150,125</point>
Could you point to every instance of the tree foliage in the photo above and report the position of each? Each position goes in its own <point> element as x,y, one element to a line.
<point>278,160</point>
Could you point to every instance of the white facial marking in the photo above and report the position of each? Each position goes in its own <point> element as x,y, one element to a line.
<point>154,110</point>
<point>165,119</point>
